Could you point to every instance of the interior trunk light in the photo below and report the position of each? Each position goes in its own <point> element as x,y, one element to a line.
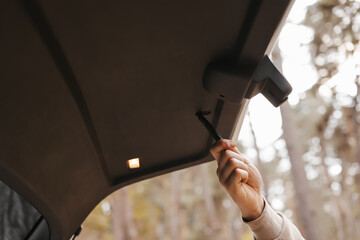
<point>133,163</point>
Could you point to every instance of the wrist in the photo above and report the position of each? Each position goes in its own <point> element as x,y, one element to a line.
<point>256,212</point>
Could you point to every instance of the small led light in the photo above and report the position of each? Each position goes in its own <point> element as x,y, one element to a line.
<point>133,163</point>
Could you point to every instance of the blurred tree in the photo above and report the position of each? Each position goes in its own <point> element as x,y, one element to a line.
<point>306,211</point>
<point>122,215</point>
<point>211,219</point>
<point>174,207</point>
<point>259,164</point>
<point>334,199</point>
<point>336,56</point>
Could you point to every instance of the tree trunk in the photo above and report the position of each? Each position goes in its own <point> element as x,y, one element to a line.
<point>346,155</point>
<point>356,121</point>
<point>259,163</point>
<point>290,201</point>
<point>306,211</point>
<point>122,218</point>
<point>209,202</point>
<point>233,233</point>
<point>336,206</point>
<point>174,208</point>
<point>305,206</point>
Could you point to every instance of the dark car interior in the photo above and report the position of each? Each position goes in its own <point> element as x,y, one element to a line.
<point>88,85</point>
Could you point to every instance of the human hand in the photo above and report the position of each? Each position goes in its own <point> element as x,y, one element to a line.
<point>241,179</point>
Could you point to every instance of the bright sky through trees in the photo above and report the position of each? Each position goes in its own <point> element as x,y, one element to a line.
<point>298,70</point>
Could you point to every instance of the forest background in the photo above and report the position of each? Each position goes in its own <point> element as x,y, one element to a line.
<point>308,151</point>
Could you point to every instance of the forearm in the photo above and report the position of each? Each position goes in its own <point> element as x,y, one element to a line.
<point>242,180</point>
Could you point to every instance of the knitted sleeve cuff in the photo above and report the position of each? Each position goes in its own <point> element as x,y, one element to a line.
<point>268,226</point>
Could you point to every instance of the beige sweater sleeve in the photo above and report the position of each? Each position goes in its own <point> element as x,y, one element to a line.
<point>272,225</point>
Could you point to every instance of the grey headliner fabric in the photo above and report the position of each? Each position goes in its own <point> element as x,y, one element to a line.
<point>17,216</point>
